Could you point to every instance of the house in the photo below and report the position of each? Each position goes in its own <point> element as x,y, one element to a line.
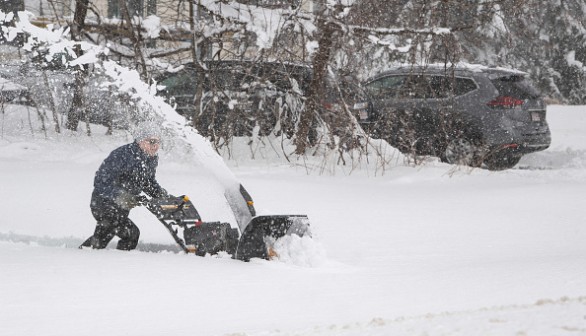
<point>174,15</point>
<point>142,8</point>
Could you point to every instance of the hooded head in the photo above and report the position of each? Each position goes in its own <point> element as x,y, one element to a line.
<point>147,130</point>
<point>148,137</point>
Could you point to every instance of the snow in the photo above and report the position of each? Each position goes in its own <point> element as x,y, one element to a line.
<point>571,59</point>
<point>419,250</point>
<point>152,25</point>
<point>263,22</point>
<point>6,85</point>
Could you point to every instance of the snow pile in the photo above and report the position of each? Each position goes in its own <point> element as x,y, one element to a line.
<point>568,147</point>
<point>300,251</point>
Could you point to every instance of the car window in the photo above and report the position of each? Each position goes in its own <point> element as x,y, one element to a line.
<point>447,86</point>
<point>441,86</point>
<point>241,78</point>
<point>416,87</point>
<point>228,79</point>
<point>345,89</point>
<point>515,86</point>
<point>464,85</point>
<point>180,82</point>
<point>282,80</point>
<point>386,87</point>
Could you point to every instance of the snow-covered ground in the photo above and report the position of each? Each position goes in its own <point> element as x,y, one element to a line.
<point>418,250</point>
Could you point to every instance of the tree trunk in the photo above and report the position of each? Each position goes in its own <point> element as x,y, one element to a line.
<point>52,103</point>
<point>320,66</point>
<point>136,40</point>
<point>73,115</point>
<point>198,52</point>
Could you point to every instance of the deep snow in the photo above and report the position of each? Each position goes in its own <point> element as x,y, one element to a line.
<point>424,250</point>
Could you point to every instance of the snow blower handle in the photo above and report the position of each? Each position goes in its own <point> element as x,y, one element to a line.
<point>184,200</point>
<point>141,200</point>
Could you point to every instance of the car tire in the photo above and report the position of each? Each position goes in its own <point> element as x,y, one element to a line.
<point>501,161</point>
<point>268,117</point>
<point>402,133</point>
<point>460,151</point>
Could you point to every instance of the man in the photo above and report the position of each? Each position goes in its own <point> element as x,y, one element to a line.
<point>124,174</point>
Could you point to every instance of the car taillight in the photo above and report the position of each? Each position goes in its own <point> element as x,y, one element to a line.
<point>332,107</point>
<point>505,102</point>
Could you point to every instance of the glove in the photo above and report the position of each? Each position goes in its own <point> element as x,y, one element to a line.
<point>141,200</point>
<point>128,201</point>
<point>164,194</point>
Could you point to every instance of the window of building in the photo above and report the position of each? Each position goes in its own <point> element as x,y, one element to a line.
<point>139,8</point>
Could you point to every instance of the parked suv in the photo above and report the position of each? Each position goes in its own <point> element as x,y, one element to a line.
<point>468,115</point>
<point>238,96</point>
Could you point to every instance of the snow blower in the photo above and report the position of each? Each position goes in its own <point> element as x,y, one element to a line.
<point>182,220</point>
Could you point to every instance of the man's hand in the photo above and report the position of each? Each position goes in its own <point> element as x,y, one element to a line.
<point>141,200</point>
<point>128,201</point>
<point>164,194</point>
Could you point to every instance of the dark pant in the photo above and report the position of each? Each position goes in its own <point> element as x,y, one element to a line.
<point>113,221</point>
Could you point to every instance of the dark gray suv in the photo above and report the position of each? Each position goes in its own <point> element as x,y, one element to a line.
<point>470,114</point>
<point>237,95</point>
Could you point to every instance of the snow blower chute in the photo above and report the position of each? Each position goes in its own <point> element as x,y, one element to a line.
<point>182,220</point>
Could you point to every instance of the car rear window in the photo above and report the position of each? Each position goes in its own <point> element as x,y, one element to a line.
<point>515,86</point>
<point>420,86</point>
<point>448,86</point>
<point>464,85</point>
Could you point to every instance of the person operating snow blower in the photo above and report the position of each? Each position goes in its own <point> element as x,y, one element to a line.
<point>127,172</point>
<point>130,171</point>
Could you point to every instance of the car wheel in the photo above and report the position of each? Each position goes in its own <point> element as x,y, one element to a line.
<point>402,133</point>
<point>268,117</point>
<point>460,151</point>
<point>501,161</point>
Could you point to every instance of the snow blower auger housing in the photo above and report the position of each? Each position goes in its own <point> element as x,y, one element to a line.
<point>182,220</point>
<point>260,234</point>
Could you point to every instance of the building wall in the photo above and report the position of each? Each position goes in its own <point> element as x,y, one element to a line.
<point>168,10</point>
<point>43,8</point>
<point>173,13</point>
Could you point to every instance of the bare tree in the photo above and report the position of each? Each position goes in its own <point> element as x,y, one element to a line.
<point>327,31</point>
<point>77,27</point>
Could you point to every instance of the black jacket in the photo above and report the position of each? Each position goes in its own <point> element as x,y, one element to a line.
<point>126,171</point>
